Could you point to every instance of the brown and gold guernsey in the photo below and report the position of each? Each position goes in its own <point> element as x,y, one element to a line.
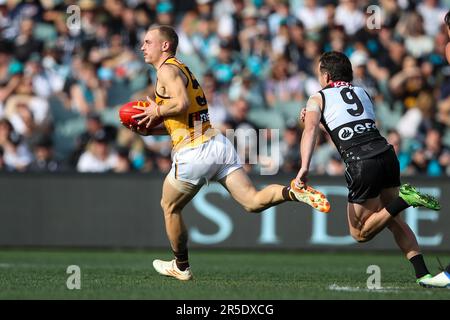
<point>191,128</point>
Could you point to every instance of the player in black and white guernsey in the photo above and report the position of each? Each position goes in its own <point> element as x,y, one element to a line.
<point>349,118</point>
<point>372,169</point>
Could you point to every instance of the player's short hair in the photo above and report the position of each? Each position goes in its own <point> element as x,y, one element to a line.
<point>447,19</point>
<point>168,33</point>
<point>337,65</point>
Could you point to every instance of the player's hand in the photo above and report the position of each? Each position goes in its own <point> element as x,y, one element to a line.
<point>303,115</point>
<point>302,178</point>
<point>148,113</point>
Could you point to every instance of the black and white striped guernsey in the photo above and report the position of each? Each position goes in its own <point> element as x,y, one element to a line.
<point>349,118</point>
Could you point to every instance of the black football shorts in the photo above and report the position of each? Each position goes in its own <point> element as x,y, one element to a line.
<point>366,178</point>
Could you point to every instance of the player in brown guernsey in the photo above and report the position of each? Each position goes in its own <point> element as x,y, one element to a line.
<point>201,153</point>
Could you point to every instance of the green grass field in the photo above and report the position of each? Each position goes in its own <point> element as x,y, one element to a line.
<point>39,274</point>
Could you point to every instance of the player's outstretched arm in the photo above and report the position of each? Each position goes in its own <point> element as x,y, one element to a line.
<point>309,136</point>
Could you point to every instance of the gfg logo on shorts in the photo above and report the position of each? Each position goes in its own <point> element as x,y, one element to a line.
<point>347,133</point>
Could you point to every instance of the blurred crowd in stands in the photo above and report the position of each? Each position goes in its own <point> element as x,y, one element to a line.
<point>61,82</point>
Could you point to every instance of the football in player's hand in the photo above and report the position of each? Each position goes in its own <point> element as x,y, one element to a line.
<point>127,111</point>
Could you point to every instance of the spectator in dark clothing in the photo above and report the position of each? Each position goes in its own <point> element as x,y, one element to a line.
<point>94,124</point>
<point>25,43</point>
<point>43,157</point>
<point>3,166</point>
<point>433,157</point>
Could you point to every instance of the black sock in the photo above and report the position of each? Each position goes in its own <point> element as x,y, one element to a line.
<point>419,266</point>
<point>182,259</point>
<point>396,206</point>
<point>287,194</point>
<point>447,269</point>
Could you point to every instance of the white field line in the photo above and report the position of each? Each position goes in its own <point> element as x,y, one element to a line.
<point>5,265</point>
<point>335,287</point>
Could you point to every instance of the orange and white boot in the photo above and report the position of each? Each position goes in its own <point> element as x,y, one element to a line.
<point>310,196</point>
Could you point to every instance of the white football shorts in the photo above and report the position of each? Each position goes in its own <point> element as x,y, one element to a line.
<point>210,161</point>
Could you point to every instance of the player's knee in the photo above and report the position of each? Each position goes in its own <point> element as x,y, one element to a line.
<point>253,207</point>
<point>163,204</point>
<point>359,236</point>
<point>167,206</point>
<point>361,239</point>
